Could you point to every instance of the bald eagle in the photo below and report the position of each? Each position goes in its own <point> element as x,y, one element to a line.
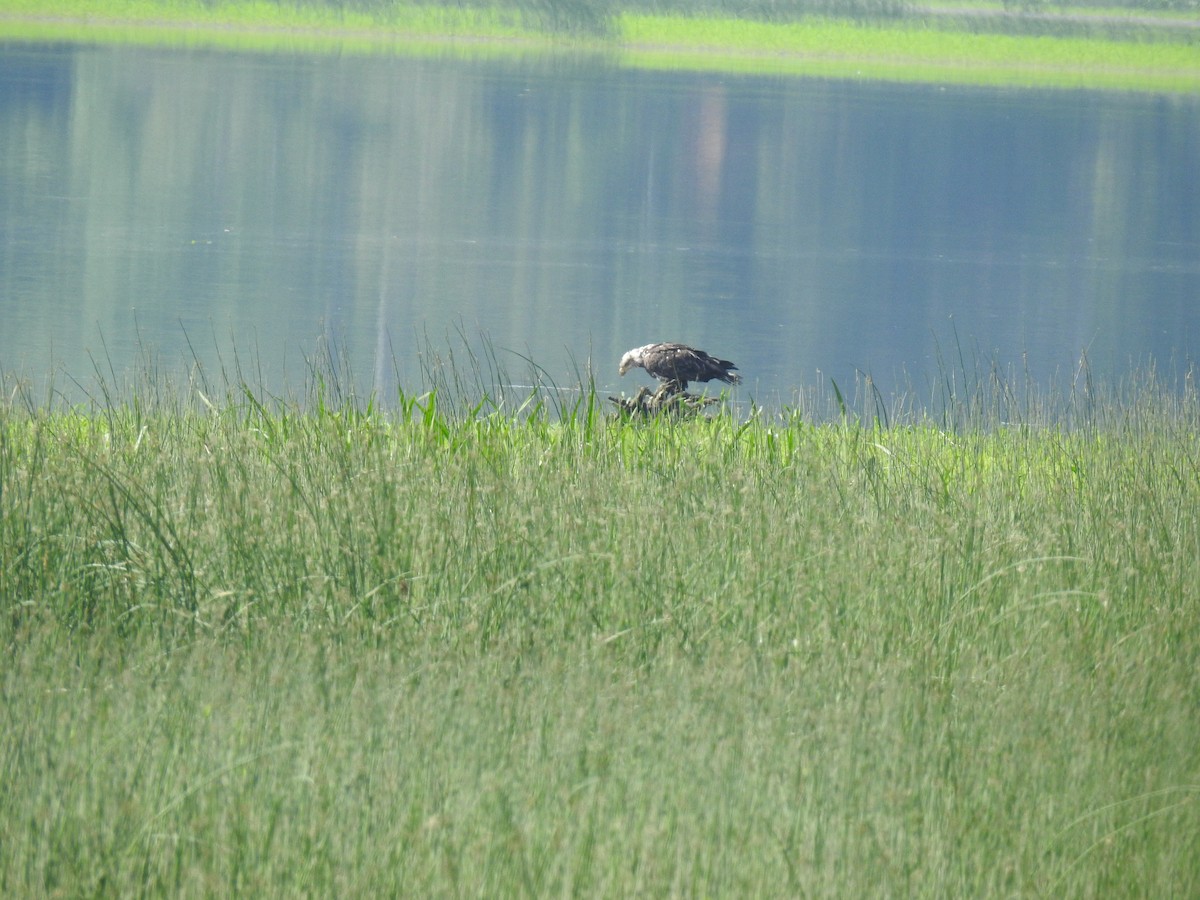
<point>677,364</point>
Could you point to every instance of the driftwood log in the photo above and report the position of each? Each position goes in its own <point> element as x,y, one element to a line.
<point>668,400</point>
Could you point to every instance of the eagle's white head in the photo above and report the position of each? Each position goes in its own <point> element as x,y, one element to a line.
<point>631,359</point>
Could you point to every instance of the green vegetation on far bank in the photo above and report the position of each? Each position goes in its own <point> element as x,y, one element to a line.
<point>461,648</point>
<point>971,44</point>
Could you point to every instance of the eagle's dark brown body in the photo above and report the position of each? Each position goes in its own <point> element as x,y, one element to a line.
<point>678,364</point>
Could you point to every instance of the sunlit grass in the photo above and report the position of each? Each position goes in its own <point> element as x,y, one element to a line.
<point>908,52</point>
<point>902,42</point>
<point>258,25</point>
<point>902,49</point>
<point>463,644</point>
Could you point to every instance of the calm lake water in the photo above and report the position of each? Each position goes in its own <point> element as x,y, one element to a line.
<point>182,205</point>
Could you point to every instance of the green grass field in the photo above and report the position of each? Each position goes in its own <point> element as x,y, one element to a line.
<point>453,648</point>
<point>1072,51</point>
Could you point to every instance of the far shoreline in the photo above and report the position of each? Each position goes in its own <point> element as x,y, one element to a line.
<point>902,51</point>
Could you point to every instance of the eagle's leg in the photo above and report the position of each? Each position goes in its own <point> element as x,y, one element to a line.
<point>671,386</point>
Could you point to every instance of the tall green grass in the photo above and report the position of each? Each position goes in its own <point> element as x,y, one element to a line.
<point>466,644</point>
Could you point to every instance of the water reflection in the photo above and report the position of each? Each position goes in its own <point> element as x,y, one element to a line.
<point>571,210</point>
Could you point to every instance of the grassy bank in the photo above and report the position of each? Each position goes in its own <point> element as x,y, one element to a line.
<point>972,45</point>
<point>262,647</point>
